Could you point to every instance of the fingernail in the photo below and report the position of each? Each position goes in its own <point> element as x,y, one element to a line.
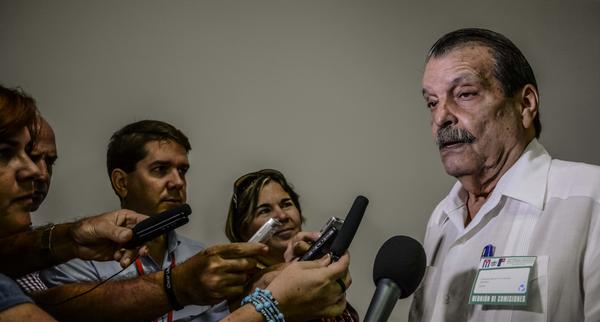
<point>123,235</point>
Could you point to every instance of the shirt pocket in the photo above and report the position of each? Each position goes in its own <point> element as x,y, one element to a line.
<point>538,283</point>
<point>537,304</point>
<point>536,309</point>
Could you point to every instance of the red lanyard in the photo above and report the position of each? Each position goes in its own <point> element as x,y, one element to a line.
<point>140,270</point>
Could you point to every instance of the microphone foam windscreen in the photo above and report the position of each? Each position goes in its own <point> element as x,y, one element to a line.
<point>350,226</point>
<point>402,260</point>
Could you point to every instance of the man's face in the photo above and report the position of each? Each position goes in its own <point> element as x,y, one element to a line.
<point>17,175</point>
<point>44,155</point>
<point>473,122</point>
<point>158,181</point>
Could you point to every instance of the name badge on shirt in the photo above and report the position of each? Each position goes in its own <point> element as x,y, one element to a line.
<point>502,280</point>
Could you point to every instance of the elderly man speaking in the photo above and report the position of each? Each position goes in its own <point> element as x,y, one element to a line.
<point>518,236</point>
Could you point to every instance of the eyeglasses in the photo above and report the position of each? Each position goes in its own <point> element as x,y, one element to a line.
<point>246,181</point>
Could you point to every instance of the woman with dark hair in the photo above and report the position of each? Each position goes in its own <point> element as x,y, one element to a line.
<point>262,195</point>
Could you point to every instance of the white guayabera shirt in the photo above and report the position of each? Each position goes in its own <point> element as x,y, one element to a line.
<point>540,207</point>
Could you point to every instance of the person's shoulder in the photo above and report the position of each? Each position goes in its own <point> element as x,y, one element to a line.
<point>575,167</point>
<point>7,285</point>
<point>10,293</point>
<point>574,179</point>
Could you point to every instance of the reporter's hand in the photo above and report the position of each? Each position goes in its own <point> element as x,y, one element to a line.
<point>100,237</point>
<point>299,244</point>
<point>308,290</point>
<point>264,277</point>
<point>261,279</point>
<point>217,273</point>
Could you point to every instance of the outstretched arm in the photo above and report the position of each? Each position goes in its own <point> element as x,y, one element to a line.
<point>139,299</point>
<point>97,238</point>
<point>209,277</point>
<point>25,312</point>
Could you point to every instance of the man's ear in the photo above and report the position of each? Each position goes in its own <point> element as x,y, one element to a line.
<point>118,179</point>
<point>529,102</point>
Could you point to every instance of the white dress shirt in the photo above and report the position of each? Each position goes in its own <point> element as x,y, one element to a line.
<point>540,207</point>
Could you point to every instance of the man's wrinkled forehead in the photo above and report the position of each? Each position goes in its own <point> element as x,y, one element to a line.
<point>458,46</point>
<point>466,78</point>
<point>45,133</point>
<point>45,144</point>
<point>466,64</point>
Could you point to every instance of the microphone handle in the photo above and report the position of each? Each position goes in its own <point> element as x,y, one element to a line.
<point>383,301</point>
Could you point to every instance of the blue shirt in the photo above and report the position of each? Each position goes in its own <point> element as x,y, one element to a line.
<point>10,294</point>
<point>78,270</point>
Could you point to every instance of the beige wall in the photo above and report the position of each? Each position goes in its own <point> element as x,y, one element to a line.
<point>326,91</point>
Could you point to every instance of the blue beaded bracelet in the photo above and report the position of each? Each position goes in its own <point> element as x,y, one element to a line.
<point>265,304</point>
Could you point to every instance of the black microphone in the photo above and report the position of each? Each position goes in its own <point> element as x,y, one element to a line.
<point>398,269</point>
<point>159,224</point>
<point>344,238</point>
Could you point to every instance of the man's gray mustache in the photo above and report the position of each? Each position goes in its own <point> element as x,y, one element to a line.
<point>453,135</point>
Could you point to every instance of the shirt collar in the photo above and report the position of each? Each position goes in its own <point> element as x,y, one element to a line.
<point>453,201</point>
<point>526,181</point>
<point>172,241</point>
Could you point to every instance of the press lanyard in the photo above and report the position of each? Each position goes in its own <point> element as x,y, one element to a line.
<point>140,270</point>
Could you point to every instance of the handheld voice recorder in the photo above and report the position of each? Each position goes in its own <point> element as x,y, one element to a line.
<point>159,224</point>
<point>266,231</point>
<point>323,244</point>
